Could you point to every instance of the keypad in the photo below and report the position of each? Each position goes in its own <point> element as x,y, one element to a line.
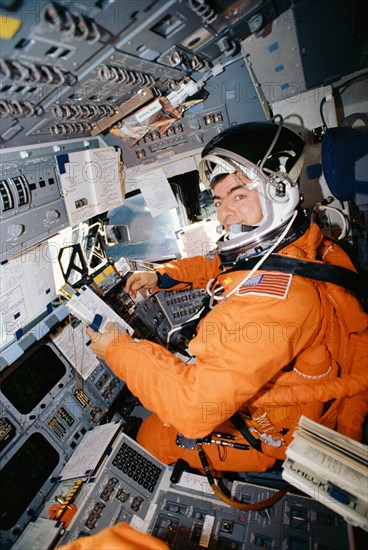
<point>137,467</point>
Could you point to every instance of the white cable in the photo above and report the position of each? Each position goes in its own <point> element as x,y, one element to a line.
<point>264,258</point>
<point>275,138</point>
<point>255,268</point>
<point>213,294</point>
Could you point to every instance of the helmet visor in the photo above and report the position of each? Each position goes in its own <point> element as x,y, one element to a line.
<point>212,166</point>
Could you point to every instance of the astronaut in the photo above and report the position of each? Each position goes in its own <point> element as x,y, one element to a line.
<point>273,345</point>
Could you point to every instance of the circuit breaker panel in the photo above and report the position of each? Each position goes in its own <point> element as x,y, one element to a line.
<point>76,69</point>
<point>72,70</point>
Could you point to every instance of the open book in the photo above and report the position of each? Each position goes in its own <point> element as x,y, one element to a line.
<point>91,181</point>
<point>330,467</point>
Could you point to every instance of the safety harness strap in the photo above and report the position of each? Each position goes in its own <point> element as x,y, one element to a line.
<point>355,282</point>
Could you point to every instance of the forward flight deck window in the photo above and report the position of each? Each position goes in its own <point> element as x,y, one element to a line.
<point>139,235</point>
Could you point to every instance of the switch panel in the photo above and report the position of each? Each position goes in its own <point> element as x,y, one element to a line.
<point>32,207</point>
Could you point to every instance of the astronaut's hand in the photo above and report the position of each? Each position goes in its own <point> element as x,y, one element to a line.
<point>100,341</point>
<point>140,280</point>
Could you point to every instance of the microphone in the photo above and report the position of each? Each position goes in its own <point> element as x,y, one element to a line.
<point>241,228</point>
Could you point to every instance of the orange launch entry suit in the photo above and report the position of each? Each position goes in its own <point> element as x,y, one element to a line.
<point>282,346</point>
<point>281,350</point>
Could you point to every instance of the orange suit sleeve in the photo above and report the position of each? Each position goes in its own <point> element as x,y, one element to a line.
<point>118,537</point>
<point>240,345</point>
<point>196,270</point>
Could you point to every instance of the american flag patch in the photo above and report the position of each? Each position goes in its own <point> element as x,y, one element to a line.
<point>275,285</point>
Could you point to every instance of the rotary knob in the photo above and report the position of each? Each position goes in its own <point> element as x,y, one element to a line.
<point>52,215</point>
<point>16,230</point>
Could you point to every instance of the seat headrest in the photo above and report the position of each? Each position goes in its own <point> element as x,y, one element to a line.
<point>345,161</point>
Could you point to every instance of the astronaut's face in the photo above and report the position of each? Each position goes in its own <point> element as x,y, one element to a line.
<point>235,202</point>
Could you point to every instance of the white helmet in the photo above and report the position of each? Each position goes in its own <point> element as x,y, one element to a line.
<point>271,157</point>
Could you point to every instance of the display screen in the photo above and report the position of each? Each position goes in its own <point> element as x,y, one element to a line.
<point>23,476</point>
<point>28,383</point>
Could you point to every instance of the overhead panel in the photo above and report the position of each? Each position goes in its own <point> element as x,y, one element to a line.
<point>340,44</point>
<point>309,45</point>
<point>276,60</point>
<point>65,66</point>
